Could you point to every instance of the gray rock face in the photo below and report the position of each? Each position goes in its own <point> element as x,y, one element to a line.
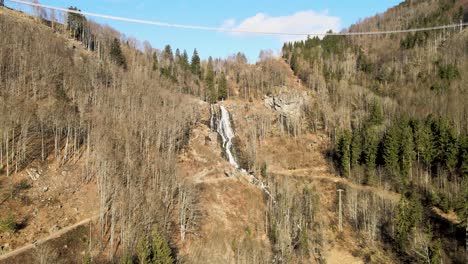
<point>287,104</point>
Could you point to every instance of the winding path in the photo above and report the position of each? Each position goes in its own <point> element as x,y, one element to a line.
<point>314,174</point>
<point>41,241</point>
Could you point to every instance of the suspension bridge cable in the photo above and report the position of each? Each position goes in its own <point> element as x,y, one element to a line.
<point>230,30</point>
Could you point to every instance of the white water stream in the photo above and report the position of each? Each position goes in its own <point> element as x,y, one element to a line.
<point>224,129</point>
<point>227,134</point>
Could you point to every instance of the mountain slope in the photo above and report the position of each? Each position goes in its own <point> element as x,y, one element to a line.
<point>116,127</point>
<point>79,107</point>
<point>395,108</point>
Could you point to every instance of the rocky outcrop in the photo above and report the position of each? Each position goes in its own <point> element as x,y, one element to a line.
<point>34,174</point>
<point>288,104</point>
<point>290,107</point>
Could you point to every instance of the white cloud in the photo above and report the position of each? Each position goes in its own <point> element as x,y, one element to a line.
<point>229,23</point>
<point>301,22</point>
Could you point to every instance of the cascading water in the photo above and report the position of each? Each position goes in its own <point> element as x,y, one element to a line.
<point>227,134</point>
<point>224,129</point>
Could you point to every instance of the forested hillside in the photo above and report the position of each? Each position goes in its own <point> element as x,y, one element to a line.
<point>83,95</point>
<point>94,103</point>
<point>382,118</point>
<point>395,105</point>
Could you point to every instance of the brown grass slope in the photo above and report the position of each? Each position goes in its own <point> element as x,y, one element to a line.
<point>102,135</point>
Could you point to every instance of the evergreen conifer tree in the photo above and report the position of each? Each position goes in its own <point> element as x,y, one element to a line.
<point>408,215</point>
<point>446,145</point>
<point>167,68</point>
<point>402,223</point>
<point>144,251</point>
<point>343,152</point>
<point>161,250</point>
<point>195,64</point>
<point>407,154</point>
<point>222,87</point>
<point>356,148</point>
<point>363,63</point>
<point>167,54</point>
<point>371,144</point>
<point>209,79</point>
<point>424,143</point>
<point>116,54</point>
<point>177,55</point>
<point>184,61</point>
<point>391,146</point>
<point>451,150</point>
<point>76,23</point>
<point>376,115</point>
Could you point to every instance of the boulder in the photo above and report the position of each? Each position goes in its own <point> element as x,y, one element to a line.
<point>34,174</point>
<point>5,248</point>
<point>54,228</point>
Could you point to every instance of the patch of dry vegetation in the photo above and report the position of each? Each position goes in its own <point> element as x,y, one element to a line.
<point>123,125</point>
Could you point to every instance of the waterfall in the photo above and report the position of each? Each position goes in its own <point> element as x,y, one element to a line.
<point>227,134</point>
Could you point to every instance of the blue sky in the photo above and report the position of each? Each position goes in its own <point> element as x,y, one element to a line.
<point>268,15</point>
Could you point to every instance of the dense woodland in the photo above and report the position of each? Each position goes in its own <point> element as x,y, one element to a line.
<point>394,107</point>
